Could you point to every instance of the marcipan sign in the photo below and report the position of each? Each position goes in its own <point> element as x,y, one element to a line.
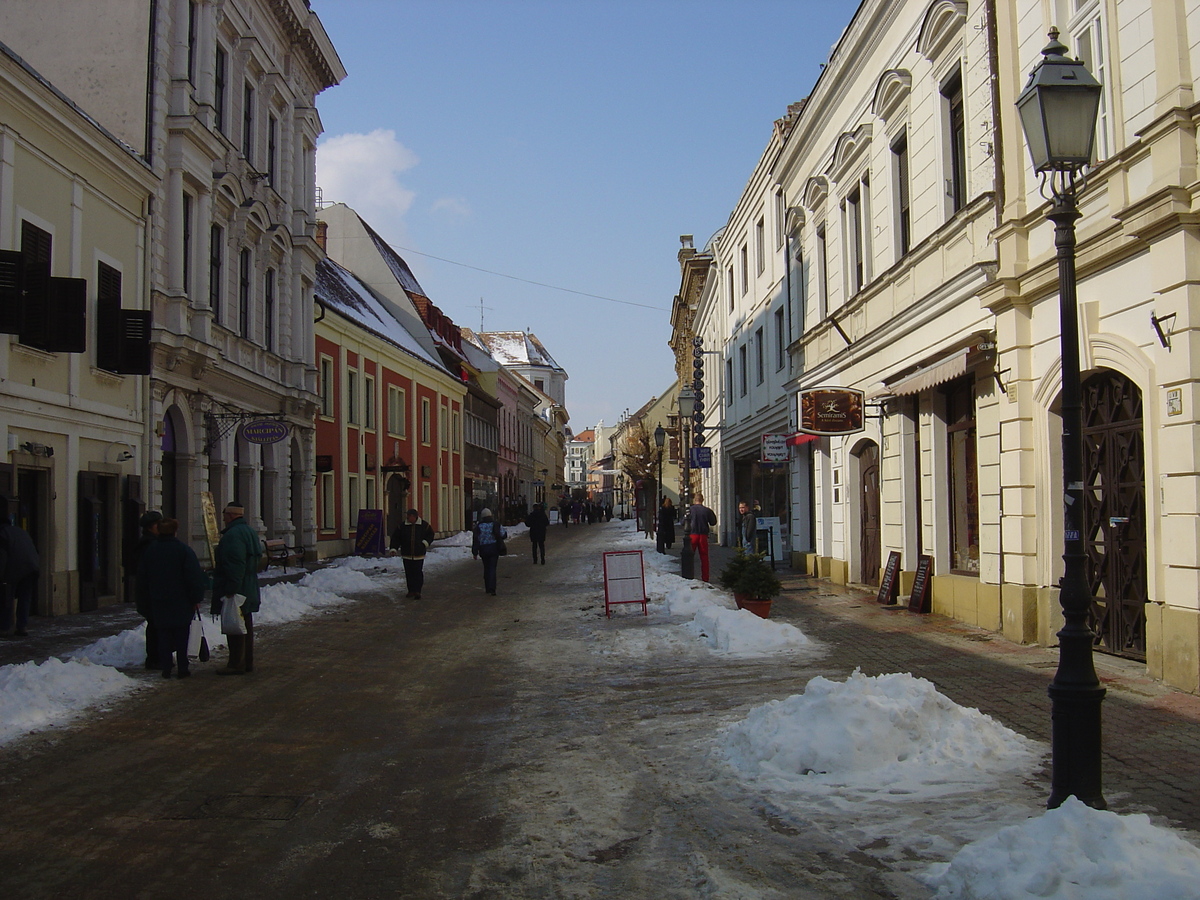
<point>831,410</point>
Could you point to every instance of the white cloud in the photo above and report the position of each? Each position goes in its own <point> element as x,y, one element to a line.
<point>363,171</point>
<point>453,208</point>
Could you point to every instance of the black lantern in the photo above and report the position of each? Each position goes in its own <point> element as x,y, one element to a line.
<point>1058,112</point>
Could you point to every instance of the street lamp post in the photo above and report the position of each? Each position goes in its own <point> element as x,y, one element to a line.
<point>1058,110</point>
<point>660,438</point>
<point>687,406</point>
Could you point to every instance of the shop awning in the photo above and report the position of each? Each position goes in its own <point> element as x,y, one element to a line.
<point>795,440</point>
<point>945,368</point>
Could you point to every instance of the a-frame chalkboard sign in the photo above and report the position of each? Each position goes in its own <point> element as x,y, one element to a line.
<point>889,585</point>
<point>918,601</point>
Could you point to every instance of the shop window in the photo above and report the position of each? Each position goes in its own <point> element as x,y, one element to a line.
<point>963,476</point>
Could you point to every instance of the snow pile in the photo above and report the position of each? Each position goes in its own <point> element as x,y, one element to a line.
<point>33,696</point>
<point>1074,853</point>
<point>121,650</point>
<point>38,696</point>
<point>742,632</point>
<point>894,734</point>
<point>712,619</point>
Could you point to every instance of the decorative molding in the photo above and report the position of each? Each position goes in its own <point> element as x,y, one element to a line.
<point>943,21</point>
<point>891,93</point>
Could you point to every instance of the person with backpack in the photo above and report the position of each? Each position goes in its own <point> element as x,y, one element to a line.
<point>487,543</point>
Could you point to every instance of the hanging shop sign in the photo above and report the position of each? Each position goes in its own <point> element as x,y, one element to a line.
<point>265,431</point>
<point>701,457</point>
<point>774,448</point>
<point>831,410</point>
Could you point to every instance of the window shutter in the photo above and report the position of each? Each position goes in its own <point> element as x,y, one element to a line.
<point>134,351</point>
<point>12,303</point>
<point>108,314</point>
<point>35,254</point>
<point>64,319</point>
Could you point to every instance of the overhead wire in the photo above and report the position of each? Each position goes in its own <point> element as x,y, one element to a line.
<point>553,287</point>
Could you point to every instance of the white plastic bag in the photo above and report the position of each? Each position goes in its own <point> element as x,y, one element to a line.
<point>232,620</point>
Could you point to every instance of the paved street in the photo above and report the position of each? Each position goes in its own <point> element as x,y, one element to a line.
<point>465,746</point>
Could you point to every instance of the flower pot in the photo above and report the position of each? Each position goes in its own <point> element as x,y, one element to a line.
<point>739,599</point>
<point>761,608</point>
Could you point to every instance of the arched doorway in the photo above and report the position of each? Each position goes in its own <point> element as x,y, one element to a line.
<point>869,543</point>
<point>1115,512</point>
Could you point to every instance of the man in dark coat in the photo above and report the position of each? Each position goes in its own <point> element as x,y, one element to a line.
<point>747,527</point>
<point>171,585</point>
<point>697,524</point>
<point>236,572</point>
<point>19,568</point>
<point>149,523</point>
<point>538,522</point>
<point>411,540</point>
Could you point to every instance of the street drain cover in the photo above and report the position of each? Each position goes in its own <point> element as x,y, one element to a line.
<point>268,808</point>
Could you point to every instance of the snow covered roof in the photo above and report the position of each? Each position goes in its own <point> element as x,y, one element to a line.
<point>395,262</point>
<point>341,291</point>
<point>518,348</point>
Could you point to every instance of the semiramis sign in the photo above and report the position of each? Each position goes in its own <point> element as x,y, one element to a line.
<point>831,410</point>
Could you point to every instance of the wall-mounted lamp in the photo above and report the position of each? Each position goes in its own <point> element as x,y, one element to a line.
<point>36,449</point>
<point>1164,336</point>
<point>124,455</point>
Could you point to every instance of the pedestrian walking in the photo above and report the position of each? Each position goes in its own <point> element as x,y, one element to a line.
<point>487,543</point>
<point>699,519</point>
<point>411,539</point>
<point>538,522</point>
<point>236,572</point>
<point>747,527</point>
<point>19,569</point>
<point>171,585</point>
<point>666,525</point>
<point>149,524</point>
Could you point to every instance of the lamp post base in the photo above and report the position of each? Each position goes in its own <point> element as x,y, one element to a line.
<point>1075,737</point>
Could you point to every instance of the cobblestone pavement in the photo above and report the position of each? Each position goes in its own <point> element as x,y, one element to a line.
<point>389,743</point>
<point>1151,733</point>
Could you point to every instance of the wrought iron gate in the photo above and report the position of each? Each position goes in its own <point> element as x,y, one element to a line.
<point>1115,512</point>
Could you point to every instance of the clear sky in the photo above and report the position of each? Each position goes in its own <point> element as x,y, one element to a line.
<point>564,142</point>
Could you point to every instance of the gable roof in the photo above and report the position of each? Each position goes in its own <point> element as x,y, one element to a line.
<point>518,348</point>
<point>340,290</point>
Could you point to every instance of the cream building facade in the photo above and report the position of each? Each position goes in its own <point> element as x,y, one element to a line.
<point>927,285</point>
<point>219,99</point>
<point>74,271</point>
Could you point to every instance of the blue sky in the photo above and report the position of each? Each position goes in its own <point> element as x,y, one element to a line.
<point>566,143</point>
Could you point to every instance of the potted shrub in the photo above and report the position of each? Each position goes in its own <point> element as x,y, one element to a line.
<point>733,570</point>
<point>753,582</point>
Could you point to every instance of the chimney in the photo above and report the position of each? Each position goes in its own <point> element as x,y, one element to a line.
<point>322,234</point>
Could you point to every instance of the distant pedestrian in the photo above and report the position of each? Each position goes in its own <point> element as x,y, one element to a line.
<point>149,522</point>
<point>486,540</point>
<point>564,512</point>
<point>236,572</point>
<point>171,584</point>
<point>666,525</point>
<point>747,527</point>
<point>699,519</point>
<point>538,522</point>
<point>411,539</point>
<point>19,568</point>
